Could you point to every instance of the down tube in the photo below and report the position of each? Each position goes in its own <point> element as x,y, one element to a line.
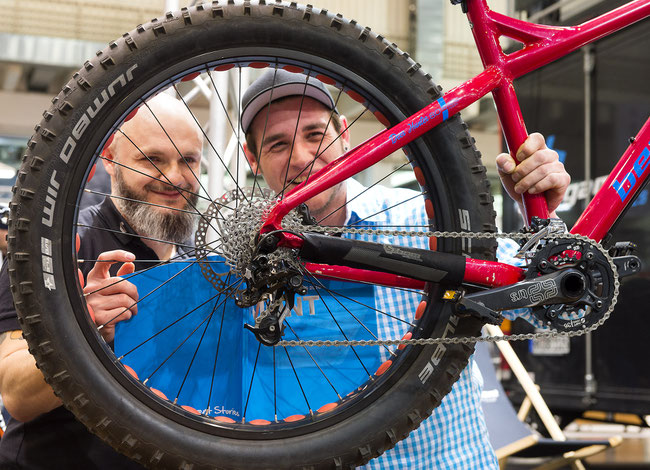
<point>383,144</point>
<point>624,182</point>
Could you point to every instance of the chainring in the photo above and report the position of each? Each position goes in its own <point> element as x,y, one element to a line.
<point>587,311</point>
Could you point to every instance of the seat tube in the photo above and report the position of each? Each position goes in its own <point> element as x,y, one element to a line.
<point>514,130</point>
<point>486,37</point>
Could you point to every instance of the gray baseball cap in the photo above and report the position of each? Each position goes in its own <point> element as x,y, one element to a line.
<point>278,83</point>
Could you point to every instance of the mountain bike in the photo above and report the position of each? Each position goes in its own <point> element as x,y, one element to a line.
<point>249,367</point>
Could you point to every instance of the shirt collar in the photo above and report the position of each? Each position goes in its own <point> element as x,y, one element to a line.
<point>114,220</point>
<point>363,203</point>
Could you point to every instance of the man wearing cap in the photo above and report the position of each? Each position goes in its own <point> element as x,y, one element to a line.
<point>145,219</point>
<point>288,119</point>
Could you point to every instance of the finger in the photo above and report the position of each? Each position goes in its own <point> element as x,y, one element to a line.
<point>126,268</point>
<point>543,178</point>
<point>541,158</point>
<point>532,144</point>
<point>553,182</point>
<point>505,163</point>
<point>531,179</point>
<point>111,286</point>
<point>106,260</point>
<point>108,302</point>
<point>112,317</point>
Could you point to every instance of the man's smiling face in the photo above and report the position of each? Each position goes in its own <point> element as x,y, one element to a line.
<point>285,161</point>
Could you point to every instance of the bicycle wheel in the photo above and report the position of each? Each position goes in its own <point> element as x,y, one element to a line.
<point>199,389</point>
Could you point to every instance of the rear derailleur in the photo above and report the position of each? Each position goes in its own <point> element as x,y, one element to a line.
<point>273,280</point>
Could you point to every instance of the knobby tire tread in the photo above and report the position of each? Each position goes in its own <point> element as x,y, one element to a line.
<point>117,428</point>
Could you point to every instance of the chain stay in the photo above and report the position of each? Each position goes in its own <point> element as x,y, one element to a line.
<point>467,339</point>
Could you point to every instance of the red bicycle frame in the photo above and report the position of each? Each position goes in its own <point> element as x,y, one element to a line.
<point>542,45</point>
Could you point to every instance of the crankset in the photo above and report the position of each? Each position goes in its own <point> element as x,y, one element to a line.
<point>570,286</point>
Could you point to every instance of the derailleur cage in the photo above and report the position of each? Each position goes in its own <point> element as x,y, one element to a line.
<point>270,278</point>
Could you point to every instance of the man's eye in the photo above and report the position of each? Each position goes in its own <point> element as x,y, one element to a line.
<point>277,147</point>
<point>316,135</point>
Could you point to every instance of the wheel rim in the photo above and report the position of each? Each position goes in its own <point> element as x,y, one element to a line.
<point>289,421</point>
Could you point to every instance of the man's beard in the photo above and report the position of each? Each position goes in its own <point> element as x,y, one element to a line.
<point>160,224</point>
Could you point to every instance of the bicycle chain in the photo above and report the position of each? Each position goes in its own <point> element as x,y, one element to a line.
<point>467,339</point>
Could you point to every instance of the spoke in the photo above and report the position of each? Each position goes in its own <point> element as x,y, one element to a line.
<point>207,139</point>
<point>216,356</point>
<point>177,188</point>
<point>363,325</point>
<point>168,181</point>
<point>250,387</point>
<point>390,207</point>
<point>160,263</point>
<point>266,121</point>
<point>147,295</point>
<point>196,351</point>
<point>134,235</point>
<point>310,164</point>
<point>196,178</point>
<point>206,319</point>
<point>232,126</point>
<point>311,413</point>
<point>339,327</point>
<point>141,202</point>
<point>365,190</point>
<point>295,133</point>
<point>174,259</point>
<point>320,144</point>
<point>232,287</point>
<point>333,293</point>
<point>238,140</point>
<point>275,390</point>
<point>315,363</point>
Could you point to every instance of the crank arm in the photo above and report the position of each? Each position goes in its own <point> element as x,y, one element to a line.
<point>627,265</point>
<point>560,287</point>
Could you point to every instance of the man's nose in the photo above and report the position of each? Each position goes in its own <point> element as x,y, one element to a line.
<point>175,173</point>
<point>303,156</point>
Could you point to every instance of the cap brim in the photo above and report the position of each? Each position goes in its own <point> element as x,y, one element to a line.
<point>262,99</point>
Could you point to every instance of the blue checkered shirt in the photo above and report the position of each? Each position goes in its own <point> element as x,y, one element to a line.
<point>455,436</point>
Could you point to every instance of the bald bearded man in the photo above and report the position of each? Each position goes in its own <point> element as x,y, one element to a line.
<point>154,163</point>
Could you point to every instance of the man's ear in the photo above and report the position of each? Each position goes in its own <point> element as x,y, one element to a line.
<point>250,156</point>
<point>345,137</point>
<point>109,155</point>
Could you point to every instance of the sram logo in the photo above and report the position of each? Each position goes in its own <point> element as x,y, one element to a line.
<point>624,188</point>
<point>439,352</point>
<point>536,293</point>
<point>92,110</point>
